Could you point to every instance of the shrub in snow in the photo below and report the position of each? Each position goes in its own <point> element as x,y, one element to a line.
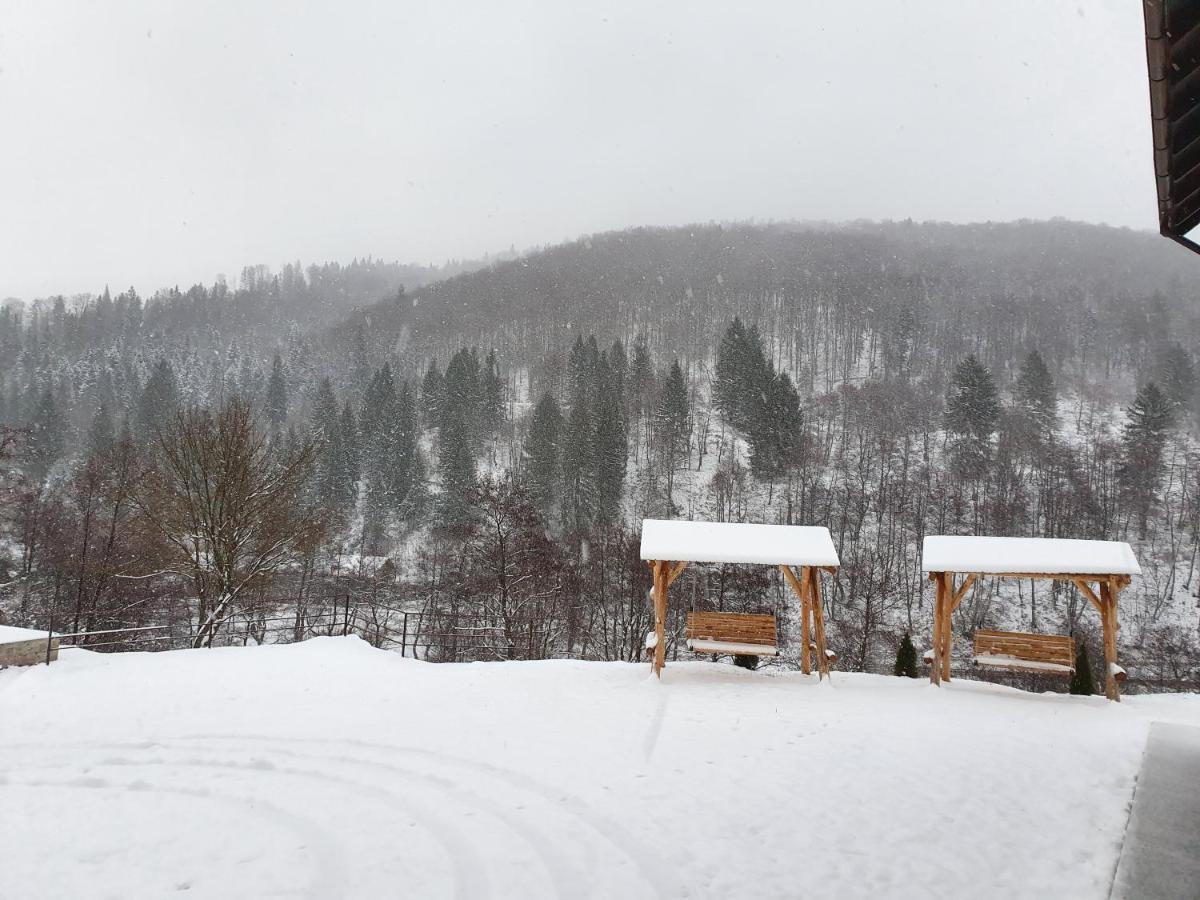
<point>1081,681</point>
<point>906,658</point>
<point>745,661</point>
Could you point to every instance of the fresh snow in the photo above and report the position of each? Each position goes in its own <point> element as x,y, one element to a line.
<point>10,634</point>
<point>1051,556</point>
<point>331,769</point>
<point>1011,662</point>
<point>735,542</point>
<point>699,645</point>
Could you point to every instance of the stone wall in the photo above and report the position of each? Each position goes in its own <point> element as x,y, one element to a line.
<point>27,653</point>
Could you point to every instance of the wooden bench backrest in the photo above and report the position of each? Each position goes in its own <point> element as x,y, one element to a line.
<point>731,628</point>
<point>1044,648</point>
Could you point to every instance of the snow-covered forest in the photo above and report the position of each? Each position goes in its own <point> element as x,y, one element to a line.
<point>456,465</point>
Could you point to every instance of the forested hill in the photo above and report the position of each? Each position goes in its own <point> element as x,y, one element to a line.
<point>875,295</point>
<point>480,451</point>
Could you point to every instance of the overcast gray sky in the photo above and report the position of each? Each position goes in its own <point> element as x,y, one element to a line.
<point>160,143</point>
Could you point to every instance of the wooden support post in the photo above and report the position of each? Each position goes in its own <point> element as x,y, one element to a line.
<point>935,665</point>
<point>948,598</point>
<point>800,587</point>
<point>1108,617</point>
<point>660,615</point>
<point>818,613</point>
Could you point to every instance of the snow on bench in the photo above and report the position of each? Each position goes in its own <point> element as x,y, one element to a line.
<point>1045,556</point>
<point>737,542</point>
<point>741,634</point>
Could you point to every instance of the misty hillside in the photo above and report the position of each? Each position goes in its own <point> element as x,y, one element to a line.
<point>884,380</point>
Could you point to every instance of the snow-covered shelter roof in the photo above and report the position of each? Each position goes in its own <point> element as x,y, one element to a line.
<point>730,542</point>
<point>1046,556</point>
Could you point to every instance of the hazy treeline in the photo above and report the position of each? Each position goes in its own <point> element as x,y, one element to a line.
<point>480,451</point>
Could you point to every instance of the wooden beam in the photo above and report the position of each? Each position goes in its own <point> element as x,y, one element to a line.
<point>660,615</point>
<point>1109,590</point>
<point>1089,593</point>
<point>947,622</point>
<point>800,589</point>
<point>676,572</point>
<point>935,665</point>
<point>962,591</point>
<point>818,614</point>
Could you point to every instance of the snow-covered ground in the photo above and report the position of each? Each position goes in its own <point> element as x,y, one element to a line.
<point>330,769</point>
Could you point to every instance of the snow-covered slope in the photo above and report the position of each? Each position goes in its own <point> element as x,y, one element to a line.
<point>329,769</point>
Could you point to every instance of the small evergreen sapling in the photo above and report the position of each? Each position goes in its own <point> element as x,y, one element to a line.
<point>906,658</point>
<point>745,661</point>
<point>1081,681</point>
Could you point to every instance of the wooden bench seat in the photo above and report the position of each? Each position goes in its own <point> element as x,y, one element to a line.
<point>738,634</point>
<point>1050,654</point>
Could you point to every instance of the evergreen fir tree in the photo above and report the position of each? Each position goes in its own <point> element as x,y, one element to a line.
<point>350,466</point>
<point>432,392</point>
<point>579,466</point>
<point>1036,397</point>
<point>641,377</point>
<point>456,463</point>
<point>47,436</point>
<point>276,405</point>
<point>493,395</point>
<point>158,401</point>
<point>1177,375</point>
<point>610,445</point>
<point>101,434</point>
<point>1143,442</point>
<point>1081,678</point>
<point>972,415</point>
<point>543,464</point>
<point>906,658</point>
<point>672,414</point>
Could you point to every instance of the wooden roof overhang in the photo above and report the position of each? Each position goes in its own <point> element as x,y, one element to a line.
<point>1173,64</point>
<point>668,546</point>
<point>1109,565</point>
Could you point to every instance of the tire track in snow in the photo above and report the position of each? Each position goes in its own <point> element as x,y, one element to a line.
<point>467,870</point>
<point>330,869</point>
<point>646,865</point>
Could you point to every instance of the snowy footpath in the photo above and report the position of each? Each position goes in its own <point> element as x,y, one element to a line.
<point>329,769</point>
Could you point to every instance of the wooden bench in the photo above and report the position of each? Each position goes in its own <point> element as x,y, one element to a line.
<point>1050,654</point>
<point>737,634</point>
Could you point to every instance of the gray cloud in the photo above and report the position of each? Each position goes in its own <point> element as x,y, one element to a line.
<point>156,143</point>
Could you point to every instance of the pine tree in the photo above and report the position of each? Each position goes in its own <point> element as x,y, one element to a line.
<point>492,395</point>
<point>641,377</point>
<point>456,463</point>
<point>349,465</point>
<point>47,436</point>
<point>972,415</point>
<point>276,405</point>
<point>432,392</point>
<point>1143,442</point>
<point>158,401</point>
<point>1081,678</point>
<point>543,459</point>
<point>672,415</point>
<point>610,445</point>
<point>101,434</point>
<point>579,467</point>
<point>1036,397</point>
<point>1177,375</point>
<point>776,430</point>
<point>326,425</point>
<point>906,658</point>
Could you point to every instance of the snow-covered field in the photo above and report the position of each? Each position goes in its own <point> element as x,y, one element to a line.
<point>329,769</point>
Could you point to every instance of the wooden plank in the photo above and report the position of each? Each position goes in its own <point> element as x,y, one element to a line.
<point>676,572</point>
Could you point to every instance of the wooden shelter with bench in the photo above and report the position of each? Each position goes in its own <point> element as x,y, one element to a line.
<point>1099,569</point>
<point>669,545</point>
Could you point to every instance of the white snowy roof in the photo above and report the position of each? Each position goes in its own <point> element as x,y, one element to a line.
<point>10,634</point>
<point>1050,556</point>
<point>772,545</point>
